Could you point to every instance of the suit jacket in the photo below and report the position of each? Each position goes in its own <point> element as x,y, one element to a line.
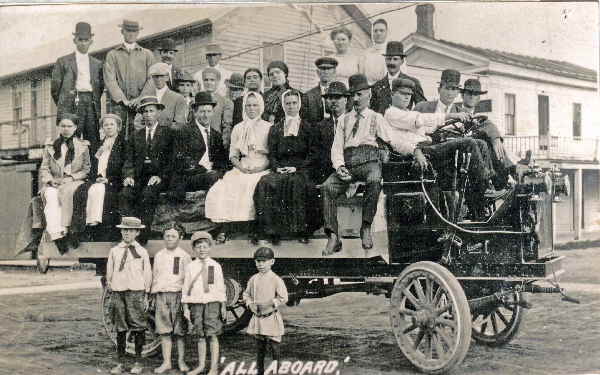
<point>80,166</point>
<point>176,108</point>
<point>381,97</point>
<point>160,154</point>
<point>238,110</point>
<point>114,167</point>
<point>326,132</point>
<point>175,72</point>
<point>64,78</point>
<point>222,118</point>
<point>189,148</point>
<point>312,108</point>
<point>488,132</point>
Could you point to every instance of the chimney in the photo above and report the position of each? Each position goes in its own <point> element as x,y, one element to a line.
<point>425,20</point>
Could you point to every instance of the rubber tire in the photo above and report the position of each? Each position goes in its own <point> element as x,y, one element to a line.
<point>502,338</point>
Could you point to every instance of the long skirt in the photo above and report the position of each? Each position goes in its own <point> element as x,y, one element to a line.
<point>284,204</point>
<point>231,198</point>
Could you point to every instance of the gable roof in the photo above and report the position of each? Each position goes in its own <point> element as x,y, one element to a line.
<point>561,68</point>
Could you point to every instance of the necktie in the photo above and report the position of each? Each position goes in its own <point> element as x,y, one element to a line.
<point>334,124</point>
<point>355,128</point>
<point>125,253</point>
<point>148,139</point>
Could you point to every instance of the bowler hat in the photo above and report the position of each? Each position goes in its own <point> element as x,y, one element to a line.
<point>201,235</point>
<point>326,62</point>
<point>149,100</point>
<point>167,44</point>
<point>83,30</point>
<point>159,69</point>
<point>129,25</point>
<point>130,222</point>
<point>213,49</point>
<point>336,88</point>
<point>473,86</point>
<point>203,98</point>
<point>264,253</point>
<point>450,78</point>
<point>183,76</point>
<point>403,85</point>
<point>358,82</point>
<point>394,48</point>
<point>236,81</point>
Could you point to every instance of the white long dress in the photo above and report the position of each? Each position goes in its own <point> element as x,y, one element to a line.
<point>232,197</point>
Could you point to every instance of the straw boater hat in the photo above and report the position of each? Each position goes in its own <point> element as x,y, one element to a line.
<point>129,222</point>
<point>472,86</point>
<point>149,100</point>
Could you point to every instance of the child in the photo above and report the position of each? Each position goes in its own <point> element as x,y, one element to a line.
<point>129,277</point>
<point>169,270</point>
<point>263,296</point>
<point>204,300</point>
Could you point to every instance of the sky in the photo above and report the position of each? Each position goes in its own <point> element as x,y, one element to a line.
<point>560,31</point>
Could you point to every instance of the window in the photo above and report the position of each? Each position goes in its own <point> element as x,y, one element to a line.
<point>509,114</point>
<point>37,132</point>
<point>17,105</point>
<point>270,52</point>
<point>576,119</point>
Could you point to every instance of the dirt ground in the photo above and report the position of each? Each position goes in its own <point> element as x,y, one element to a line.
<point>61,332</point>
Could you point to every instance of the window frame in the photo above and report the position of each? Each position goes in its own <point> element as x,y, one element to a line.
<point>508,115</point>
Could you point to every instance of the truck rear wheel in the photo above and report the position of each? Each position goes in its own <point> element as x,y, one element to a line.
<point>498,324</point>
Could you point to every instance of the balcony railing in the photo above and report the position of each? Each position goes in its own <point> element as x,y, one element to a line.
<point>548,147</point>
<point>27,133</point>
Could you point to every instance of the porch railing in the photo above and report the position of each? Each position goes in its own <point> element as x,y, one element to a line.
<point>555,148</point>
<point>27,133</point>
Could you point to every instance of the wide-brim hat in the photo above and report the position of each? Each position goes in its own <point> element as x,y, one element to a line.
<point>236,81</point>
<point>183,76</point>
<point>204,98</point>
<point>264,253</point>
<point>450,78</point>
<point>83,30</point>
<point>358,82</point>
<point>167,44</point>
<point>129,25</point>
<point>336,88</point>
<point>394,48</point>
<point>326,62</point>
<point>201,235</point>
<point>403,85</point>
<point>472,86</point>
<point>213,49</point>
<point>130,222</point>
<point>149,100</point>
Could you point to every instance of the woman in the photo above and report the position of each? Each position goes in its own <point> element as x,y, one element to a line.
<point>230,199</point>
<point>349,63</point>
<point>96,201</point>
<point>65,165</point>
<point>285,198</point>
<point>278,76</point>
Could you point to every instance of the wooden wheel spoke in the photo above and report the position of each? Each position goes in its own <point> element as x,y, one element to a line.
<point>502,317</point>
<point>437,296</point>
<point>442,310</point>
<point>446,322</point>
<point>429,289</point>
<point>406,312</point>
<point>483,327</point>
<point>409,328</point>
<point>494,323</point>
<point>419,338</point>
<point>447,340</point>
<point>235,314</point>
<point>411,297</point>
<point>429,346</point>
<point>439,348</point>
<point>419,288</point>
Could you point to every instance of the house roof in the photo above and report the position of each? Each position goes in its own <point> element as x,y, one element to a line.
<point>561,68</point>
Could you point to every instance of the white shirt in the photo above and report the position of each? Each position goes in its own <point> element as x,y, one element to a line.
<point>84,82</point>
<point>221,88</point>
<point>136,273</point>
<point>161,92</point>
<point>292,125</point>
<point>152,130</point>
<point>169,270</point>
<point>204,161</point>
<point>408,128</point>
<point>193,287</point>
<point>442,108</point>
<point>392,78</point>
<point>374,62</point>
<point>129,46</point>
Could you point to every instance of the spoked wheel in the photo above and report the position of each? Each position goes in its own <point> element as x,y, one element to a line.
<point>238,315</point>
<point>152,339</point>
<point>430,317</point>
<point>499,323</point>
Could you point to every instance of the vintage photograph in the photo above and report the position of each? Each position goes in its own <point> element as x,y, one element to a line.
<point>300,188</point>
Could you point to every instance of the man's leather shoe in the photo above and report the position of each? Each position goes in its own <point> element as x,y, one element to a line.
<point>334,245</point>
<point>365,236</point>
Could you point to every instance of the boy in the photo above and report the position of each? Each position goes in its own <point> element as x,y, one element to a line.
<point>169,270</point>
<point>204,299</point>
<point>129,278</point>
<point>264,294</point>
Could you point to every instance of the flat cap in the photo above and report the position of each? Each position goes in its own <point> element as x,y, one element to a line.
<point>201,235</point>
<point>403,85</point>
<point>159,69</point>
<point>326,62</point>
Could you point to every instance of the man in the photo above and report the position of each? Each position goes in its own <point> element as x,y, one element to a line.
<point>175,107</point>
<point>199,159</point>
<point>448,90</point>
<point>184,82</point>
<point>382,90</point>
<point>167,51</point>
<point>213,57</point>
<point>314,111</point>
<point>355,157</point>
<point>77,86</point>
<point>147,167</point>
<point>223,112</point>
<point>252,83</point>
<point>235,86</point>
<point>373,60</point>
<point>126,73</point>
<point>503,166</point>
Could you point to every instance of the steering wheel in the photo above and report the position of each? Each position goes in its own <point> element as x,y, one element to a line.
<point>450,129</point>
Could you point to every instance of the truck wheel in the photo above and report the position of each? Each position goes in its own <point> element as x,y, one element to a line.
<point>152,345</point>
<point>238,316</point>
<point>498,324</point>
<point>430,317</point>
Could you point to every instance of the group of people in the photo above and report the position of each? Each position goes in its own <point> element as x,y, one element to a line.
<point>278,159</point>
<point>188,297</point>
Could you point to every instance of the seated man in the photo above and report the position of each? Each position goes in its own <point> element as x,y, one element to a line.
<point>407,131</point>
<point>199,155</point>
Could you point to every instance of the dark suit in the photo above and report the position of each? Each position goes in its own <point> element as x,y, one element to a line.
<point>325,132</point>
<point>312,109</point>
<point>62,88</point>
<point>189,148</point>
<point>175,72</point>
<point>141,164</point>
<point>238,110</point>
<point>381,94</point>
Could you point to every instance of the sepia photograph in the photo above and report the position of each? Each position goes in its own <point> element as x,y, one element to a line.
<point>300,188</point>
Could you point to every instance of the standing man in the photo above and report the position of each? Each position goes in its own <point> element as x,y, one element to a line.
<point>252,83</point>
<point>213,57</point>
<point>167,51</point>
<point>373,59</point>
<point>223,112</point>
<point>126,73</point>
<point>147,168</point>
<point>355,156</point>
<point>448,88</point>
<point>77,86</point>
<point>315,110</point>
<point>175,107</point>
<point>382,90</point>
